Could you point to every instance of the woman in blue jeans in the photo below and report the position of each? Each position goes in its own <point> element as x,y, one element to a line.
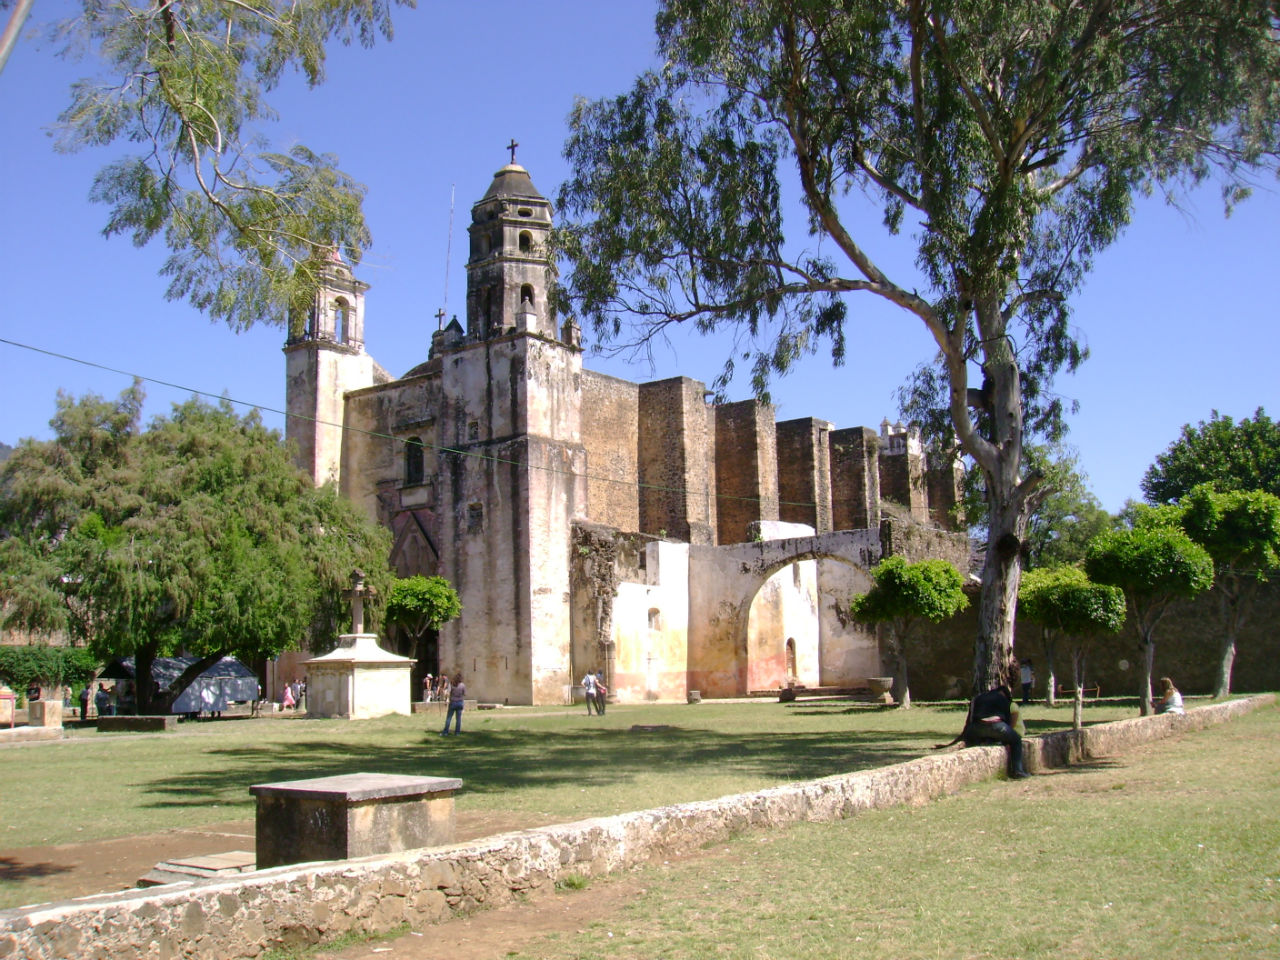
<point>457,697</point>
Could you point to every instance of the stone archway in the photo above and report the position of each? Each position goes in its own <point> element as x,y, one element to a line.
<point>724,582</point>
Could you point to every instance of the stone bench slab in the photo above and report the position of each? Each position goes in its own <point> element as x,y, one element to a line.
<point>351,815</point>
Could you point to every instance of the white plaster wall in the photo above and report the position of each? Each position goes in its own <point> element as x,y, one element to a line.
<point>786,607</point>
<point>362,693</point>
<point>848,651</point>
<point>380,690</point>
<point>653,661</point>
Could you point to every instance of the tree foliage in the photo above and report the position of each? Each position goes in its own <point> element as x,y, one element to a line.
<point>1007,140</point>
<point>1241,532</point>
<point>188,81</point>
<point>1231,455</point>
<point>1154,565</point>
<point>1063,600</point>
<point>197,535</point>
<point>47,665</point>
<point>904,594</point>
<point>418,604</point>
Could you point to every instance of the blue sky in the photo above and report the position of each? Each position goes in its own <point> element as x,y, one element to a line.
<point>1179,313</point>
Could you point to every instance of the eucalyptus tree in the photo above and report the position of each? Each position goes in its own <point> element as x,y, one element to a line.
<point>1065,602</point>
<point>1155,564</point>
<point>197,535</point>
<point>1240,529</point>
<point>903,595</point>
<point>1006,140</point>
<point>187,82</point>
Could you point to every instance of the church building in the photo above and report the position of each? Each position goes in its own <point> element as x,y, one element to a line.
<point>589,522</point>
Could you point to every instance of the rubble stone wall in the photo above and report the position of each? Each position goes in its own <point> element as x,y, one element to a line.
<point>244,916</point>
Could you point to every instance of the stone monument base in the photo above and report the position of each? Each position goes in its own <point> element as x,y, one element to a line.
<point>352,815</point>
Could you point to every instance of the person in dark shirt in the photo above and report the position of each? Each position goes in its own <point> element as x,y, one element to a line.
<point>991,720</point>
<point>457,700</point>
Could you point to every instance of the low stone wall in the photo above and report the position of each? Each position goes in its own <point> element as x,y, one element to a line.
<point>241,917</point>
<point>22,734</point>
<point>145,723</point>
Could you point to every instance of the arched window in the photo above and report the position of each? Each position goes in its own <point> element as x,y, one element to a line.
<point>413,461</point>
<point>526,294</point>
<point>341,321</point>
<point>526,241</point>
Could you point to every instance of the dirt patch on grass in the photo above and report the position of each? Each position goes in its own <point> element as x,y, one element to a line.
<point>68,870</point>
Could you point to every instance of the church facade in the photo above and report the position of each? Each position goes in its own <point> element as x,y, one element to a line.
<point>590,522</point>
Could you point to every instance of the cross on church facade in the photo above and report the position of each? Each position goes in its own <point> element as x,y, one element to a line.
<point>440,319</point>
<point>512,147</point>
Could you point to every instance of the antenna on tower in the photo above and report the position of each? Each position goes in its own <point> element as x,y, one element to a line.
<point>448,257</point>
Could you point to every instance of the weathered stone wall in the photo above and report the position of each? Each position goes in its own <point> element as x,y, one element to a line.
<point>804,473</point>
<point>1186,651</point>
<point>944,483</point>
<point>402,409</point>
<point>855,478</point>
<point>677,465</point>
<point>848,651</point>
<point>224,919</point>
<point>747,467</point>
<point>610,422</point>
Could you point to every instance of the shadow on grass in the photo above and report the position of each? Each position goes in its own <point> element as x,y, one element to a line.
<point>497,761</point>
<point>16,871</point>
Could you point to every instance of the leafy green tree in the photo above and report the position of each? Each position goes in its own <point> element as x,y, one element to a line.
<point>1154,565</point>
<point>51,667</point>
<point>188,82</point>
<point>197,535</point>
<point>1007,138</point>
<point>1241,532</point>
<point>420,604</point>
<point>904,595</point>
<point>1231,455</point>
<point>1064,601</point>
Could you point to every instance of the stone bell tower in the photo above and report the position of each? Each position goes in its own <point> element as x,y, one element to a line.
<point>507,270</point>
<point>511,446</point>
<point>324,358</point>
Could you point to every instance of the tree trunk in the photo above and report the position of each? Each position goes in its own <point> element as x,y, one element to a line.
<point>1077,669</point>
<point>144,659</point>
<point>1232,598</point>
<point>1148,662</point>
<point>1051,679</point>
<point>900,679</point>
<point>993,659</point>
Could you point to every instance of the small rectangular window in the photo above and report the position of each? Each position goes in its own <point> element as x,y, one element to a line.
<point>475,517</point>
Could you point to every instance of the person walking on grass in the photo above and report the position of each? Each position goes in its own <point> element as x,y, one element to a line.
<point>601,692</point>
<point>457,699</point>
<point>589,690</point>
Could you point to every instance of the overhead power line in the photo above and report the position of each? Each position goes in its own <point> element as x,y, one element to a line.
<point>476,455</point>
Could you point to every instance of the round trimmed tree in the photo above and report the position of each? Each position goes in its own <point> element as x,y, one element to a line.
<point>903,596</point>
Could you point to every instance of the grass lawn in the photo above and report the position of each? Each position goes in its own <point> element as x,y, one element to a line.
<point>1173,851</point>
<point>545,762</point>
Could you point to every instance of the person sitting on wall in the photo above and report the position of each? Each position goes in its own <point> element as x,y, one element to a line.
<point>991,720</point>
<point>1170,699</point>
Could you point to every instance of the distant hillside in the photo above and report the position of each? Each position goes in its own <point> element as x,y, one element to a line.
<point>5,450</point>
